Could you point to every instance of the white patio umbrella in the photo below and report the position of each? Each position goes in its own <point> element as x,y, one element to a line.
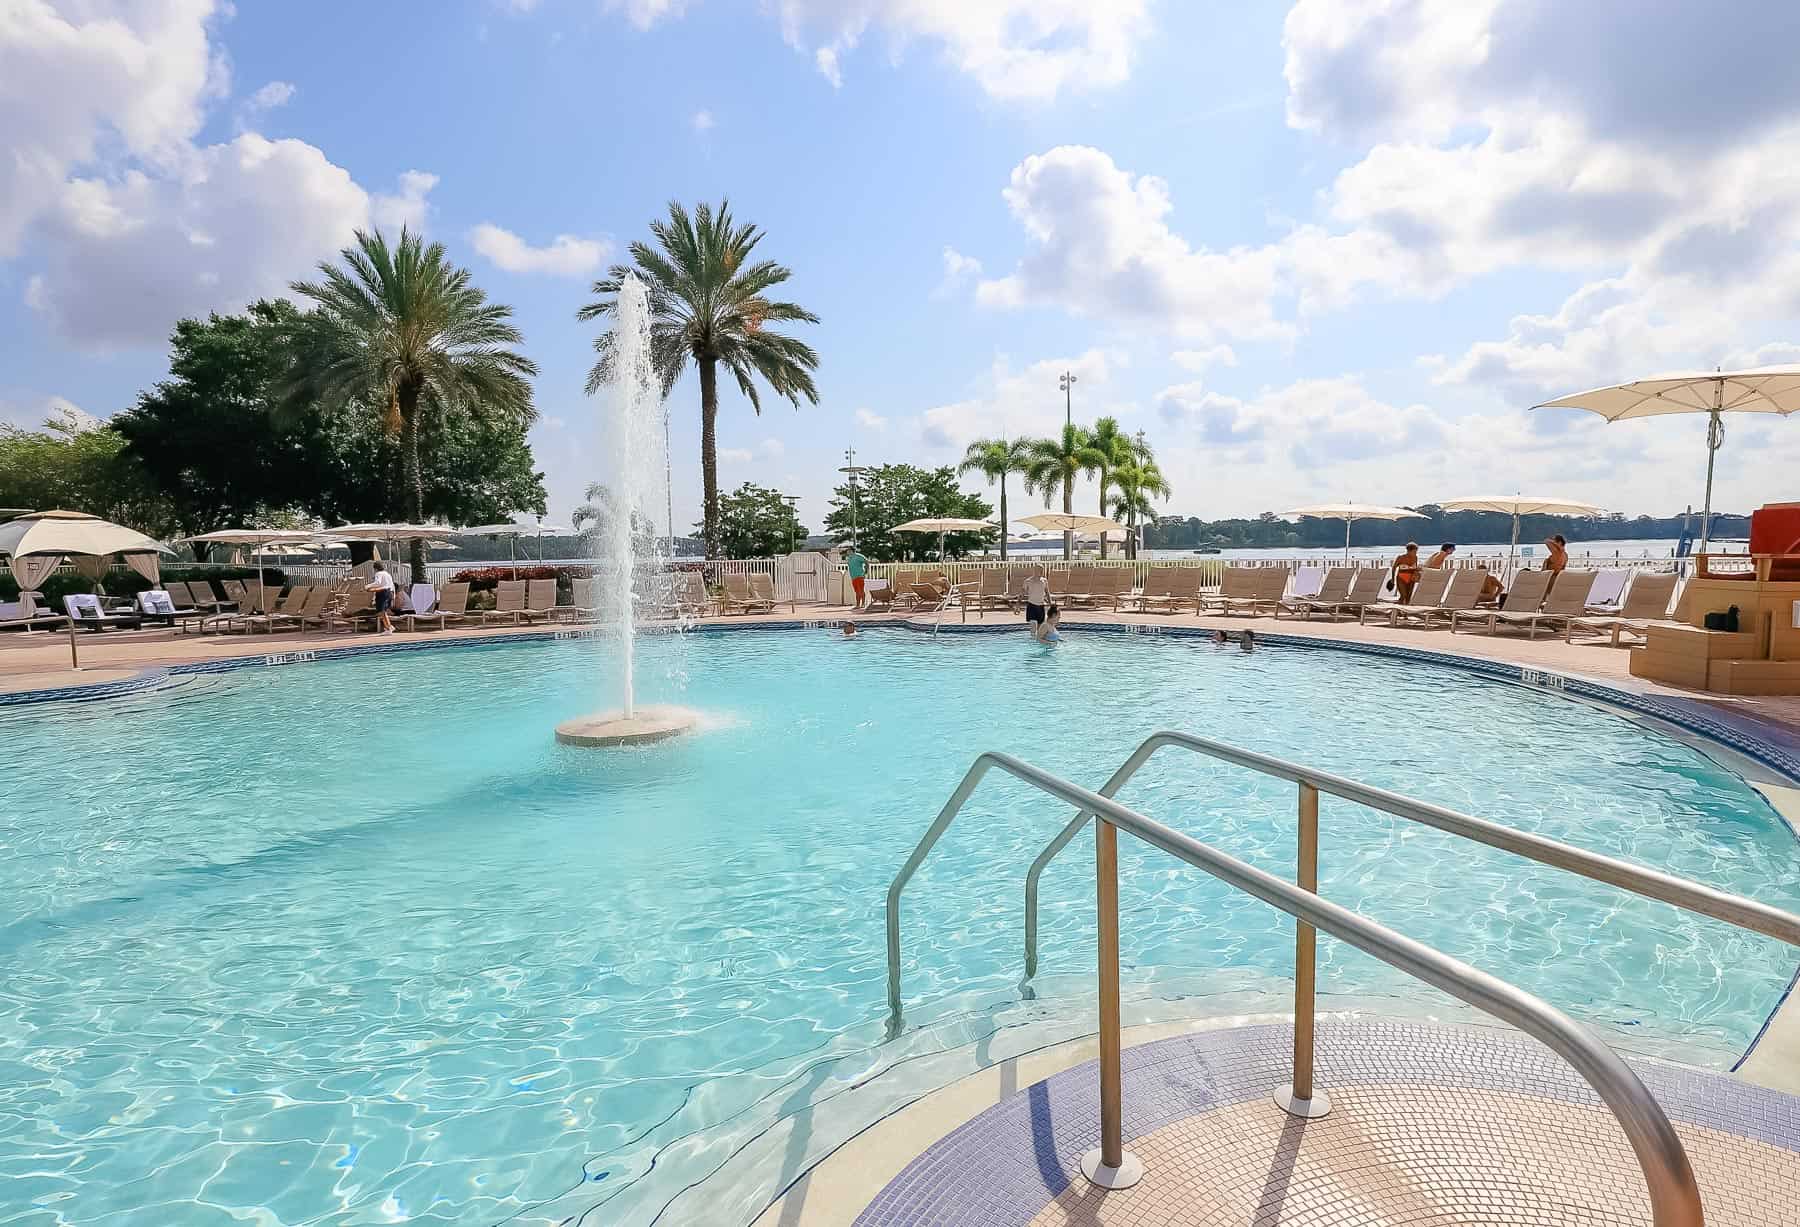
<point>944,527</point>
<point>36,545</point>
<point>1517,505</point>
<point>512,533</point>
<point>1762,389</point>
<point>251,537</point>
<point>1350,513</point>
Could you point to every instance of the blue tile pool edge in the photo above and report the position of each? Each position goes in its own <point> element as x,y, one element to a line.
<point>1743,737</point>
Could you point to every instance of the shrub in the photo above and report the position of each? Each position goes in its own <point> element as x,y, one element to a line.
<point>486,579</point>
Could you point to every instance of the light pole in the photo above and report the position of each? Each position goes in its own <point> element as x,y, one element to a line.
<point>853,469</point>
<point>793,502</point>
<point>1067,384</point>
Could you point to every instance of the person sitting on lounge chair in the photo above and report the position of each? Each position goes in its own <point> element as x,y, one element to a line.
<point>1558,559</point>
<point>1404,573</point>
<point>1491,587</point>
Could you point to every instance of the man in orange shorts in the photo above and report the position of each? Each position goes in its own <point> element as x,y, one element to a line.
<point>858,566</point>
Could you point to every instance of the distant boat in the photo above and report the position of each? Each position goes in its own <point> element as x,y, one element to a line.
<point>1208,549</point>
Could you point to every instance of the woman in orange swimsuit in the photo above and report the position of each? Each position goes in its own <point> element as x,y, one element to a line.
<point>1406,572</point>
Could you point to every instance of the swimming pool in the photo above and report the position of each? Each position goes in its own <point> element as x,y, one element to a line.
<point>355,942</point>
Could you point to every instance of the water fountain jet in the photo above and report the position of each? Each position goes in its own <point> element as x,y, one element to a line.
<point>635,449</point>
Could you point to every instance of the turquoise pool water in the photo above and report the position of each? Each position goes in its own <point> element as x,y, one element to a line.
<point>355,942</point>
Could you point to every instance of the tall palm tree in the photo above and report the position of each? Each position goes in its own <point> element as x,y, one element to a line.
<point>1056,463</point>
<point>708,305</point>
<point>1113,447</point>
<point>1135,483</point>
<point>403,329</point>
<point>994,459</point>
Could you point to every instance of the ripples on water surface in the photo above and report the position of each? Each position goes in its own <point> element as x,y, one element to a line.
<point>355,942</point>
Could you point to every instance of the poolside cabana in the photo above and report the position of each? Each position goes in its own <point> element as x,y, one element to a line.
<point>37,544</point>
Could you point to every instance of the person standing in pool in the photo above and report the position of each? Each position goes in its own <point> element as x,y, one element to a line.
<point>1052,620</point>
<point>858,566</point>
<point>382,585</point>
<point>1037,601</point>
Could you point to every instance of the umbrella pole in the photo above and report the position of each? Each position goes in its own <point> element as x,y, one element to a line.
<point>74,655</point>
<point>1715,436</point>
<point>1347,522</point>
<point>1512,557</point>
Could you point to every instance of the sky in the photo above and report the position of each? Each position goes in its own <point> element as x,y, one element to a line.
<point>1321,251</point>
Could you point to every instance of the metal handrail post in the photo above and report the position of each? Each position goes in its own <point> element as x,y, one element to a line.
<point>1299,1098</point>
<point>1108,1165</point>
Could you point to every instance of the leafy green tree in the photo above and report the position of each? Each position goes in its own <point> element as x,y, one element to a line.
<point>74,465</point>
<point>406,332</point>
<point>891,494</point>
<point>994,459</point>
<point>1112,447</point>
<point>1054,464</point>
<point>709,305</point>
<point>756,522</point>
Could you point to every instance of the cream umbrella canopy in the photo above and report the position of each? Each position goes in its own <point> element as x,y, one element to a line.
<point>1761,389</point>
<point>1061,522</point>
<point>251,537</point>
<point>1517,505</point>
<point>944,527</point>
<point>36,544</point>
<point>512,533</point>
<point>1350,513</point>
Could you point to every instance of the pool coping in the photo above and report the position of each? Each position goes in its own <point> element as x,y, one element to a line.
<point>1746,736</point>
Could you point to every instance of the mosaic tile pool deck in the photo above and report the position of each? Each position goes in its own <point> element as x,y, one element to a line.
<point>1430,1124</point>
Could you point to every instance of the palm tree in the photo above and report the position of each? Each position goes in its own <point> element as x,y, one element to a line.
<point>404,330</point>
<point>994,459</point>
<point>707,304</point>
<point>1113,447</point>
<point>1135,483</point>
<point>1053,463</point>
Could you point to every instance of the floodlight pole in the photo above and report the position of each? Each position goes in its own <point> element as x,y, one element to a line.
<point>852,468</point>
<point>1067,384</point>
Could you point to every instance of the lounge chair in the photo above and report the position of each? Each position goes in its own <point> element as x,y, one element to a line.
<point>84,610</point>
<point>990,592</point>
<point>289,615</point>
<point>1426,594</point>
<point>358,607</point>
<point>27,615</point>
<point>1365,589</point>
<point>1333,588</point>
<point>1169,588</point>
<point>741,598</point>
<point>1525,596</point>
<point>581,607</point>
<point>1646,602</point>
<point>1246,590</point>
<point>421,599</point>
<point>234,594</point>
<point>1308,581</point>
<point>692,600</point>
<point>763,586</point>
<point>1082,588</point>
<point>451,605</point>
<point>1567,599</point>
<point>879,600</point>
<point>158,605</point>
<point>202,597</point>
<point>929,596</point>
<point>509,601</point>
<point>1462,593</point>
<point>1608,591</point>
<point>540,600</point>
<point>1113,588</point>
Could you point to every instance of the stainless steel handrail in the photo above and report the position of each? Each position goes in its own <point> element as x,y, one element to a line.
<point>1674,1196</point>
<point>1650,883</point>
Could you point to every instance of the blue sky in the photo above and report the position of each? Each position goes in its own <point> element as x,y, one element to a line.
<point>1325,250</point>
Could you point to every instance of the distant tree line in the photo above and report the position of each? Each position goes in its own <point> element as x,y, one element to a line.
<point>1270,531</point>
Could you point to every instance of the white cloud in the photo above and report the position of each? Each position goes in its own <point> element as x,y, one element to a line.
<point>644,13</point>
<point>408,206</point>
<point>125,258</point>
<point>274,94</point>
<point>703,121</point>
<point>564,256</point>
<point>870,420</point>
<point>959,270</point>
<point>1008,402</point>
<point>1101,245</point>
<point>57,409</point>
<point>1201,360</point>
<point>1014,49</point>
<point>734,455</point>
<point>136,78</point>
<point>771,449</point>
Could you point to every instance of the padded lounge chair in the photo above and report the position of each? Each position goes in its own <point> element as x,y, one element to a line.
<point>1427,594</point>
<point>1525,596</point>
<point>741,598</point>
<point>1646,602</point>
<point>158,605</point>
<point>1462,592</point>
<point>27,615</point>
<point>84,610</point>
<point>1334,588</point>
<point>452,606</point>
<point>1168,589</point>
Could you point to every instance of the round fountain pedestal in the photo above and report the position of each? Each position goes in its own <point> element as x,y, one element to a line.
<point>615,728</point>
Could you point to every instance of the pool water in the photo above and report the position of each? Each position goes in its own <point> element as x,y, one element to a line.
<point>356,942</point>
